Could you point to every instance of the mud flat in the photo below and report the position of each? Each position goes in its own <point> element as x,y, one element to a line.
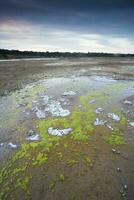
<point>67,129</point>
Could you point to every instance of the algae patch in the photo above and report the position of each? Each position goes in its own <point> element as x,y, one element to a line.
<point>115,138</point>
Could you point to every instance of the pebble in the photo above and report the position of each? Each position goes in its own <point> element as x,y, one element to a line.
<point>116,151</point>
<point>1,144</point>
<point>125,187</point>
<point>119,170</point>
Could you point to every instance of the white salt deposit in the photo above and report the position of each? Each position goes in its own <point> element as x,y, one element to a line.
<point>114,117</point>
<point>59,132</point>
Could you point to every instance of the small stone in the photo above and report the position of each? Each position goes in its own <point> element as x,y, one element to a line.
<point>125,187</point>
<point>123,194</point>
<point>119,170</point>
<point>114,150</point>
<point>118,152</point>
<point>1,144</point>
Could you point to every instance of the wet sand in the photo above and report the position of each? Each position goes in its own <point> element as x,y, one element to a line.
<point>15,73</point>
<point>91,162</point>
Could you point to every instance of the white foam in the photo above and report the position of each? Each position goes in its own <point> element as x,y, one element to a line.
<point>45,99</point>
<point>99,110</point>
<point>104,79</point>
<point>56,110</point>
<point>92,101</point>
<point>69,93</point>
<point>59,132</point>
<point>127,102</point>
<point>99,122</point>
<point>40,114</point>
<point>114,117</point>
<point>33,137</point>
<point>14,146</point>
<point>131,124</point>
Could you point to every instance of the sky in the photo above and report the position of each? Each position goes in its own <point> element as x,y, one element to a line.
<point>67,25</point>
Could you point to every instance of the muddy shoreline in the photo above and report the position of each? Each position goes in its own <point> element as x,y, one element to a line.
<point>14,74</point>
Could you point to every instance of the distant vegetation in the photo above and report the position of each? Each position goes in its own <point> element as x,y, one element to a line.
<point>11,54</point>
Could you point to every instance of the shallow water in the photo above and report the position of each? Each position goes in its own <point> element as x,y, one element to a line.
<point>59,97</point>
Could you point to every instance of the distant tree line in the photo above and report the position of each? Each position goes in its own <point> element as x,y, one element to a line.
<point>12,54</point>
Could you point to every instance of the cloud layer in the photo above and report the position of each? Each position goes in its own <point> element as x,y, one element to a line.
<point>60,25</point>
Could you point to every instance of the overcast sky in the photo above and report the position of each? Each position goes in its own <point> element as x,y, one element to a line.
<point>67,25</point>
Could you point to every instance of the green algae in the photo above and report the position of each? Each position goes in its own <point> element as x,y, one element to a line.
<point>40,159</point>
<point>31,155</point>
<point>60,155</point>
<point>23,183</point>
<point>116,138</point>
<point>62,177</point>
<point>88,161</point>
<point>72,162</point>
<point>35,154</point>
<point>52,185</point>
<point>80,121</point>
